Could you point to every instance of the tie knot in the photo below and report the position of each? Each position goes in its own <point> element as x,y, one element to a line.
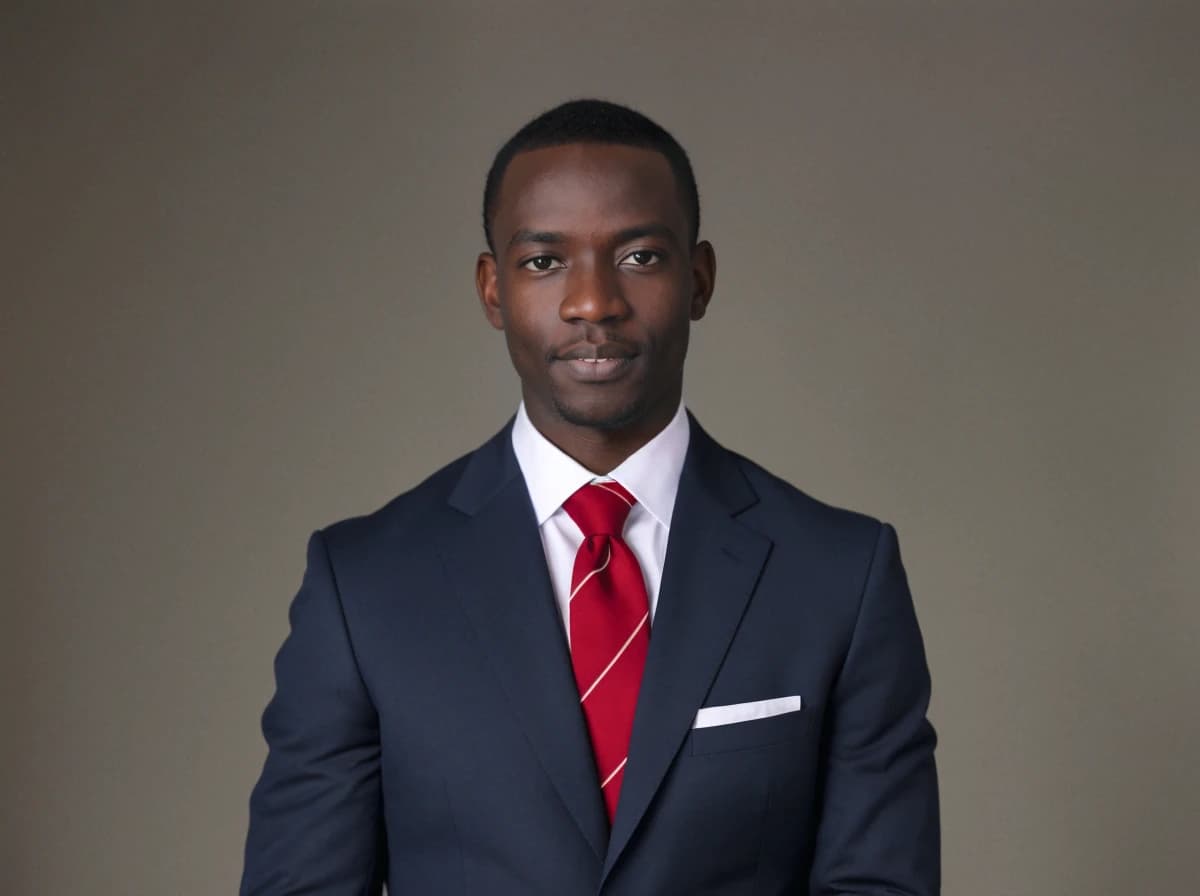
<point>600,508</point>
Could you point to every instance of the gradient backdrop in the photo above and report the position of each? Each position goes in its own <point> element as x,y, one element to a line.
<point>958,288</point>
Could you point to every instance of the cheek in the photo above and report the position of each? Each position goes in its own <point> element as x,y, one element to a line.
<point>667,320</point>
<point>528,334</point>
<point>533,309</point>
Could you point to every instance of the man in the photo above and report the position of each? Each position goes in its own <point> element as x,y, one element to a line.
<point>600,654</point>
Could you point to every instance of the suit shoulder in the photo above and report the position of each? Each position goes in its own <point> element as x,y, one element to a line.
<point>781,500</point>
<point>413,508</point>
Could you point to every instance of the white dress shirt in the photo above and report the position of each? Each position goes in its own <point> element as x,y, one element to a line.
<point>651,474</point>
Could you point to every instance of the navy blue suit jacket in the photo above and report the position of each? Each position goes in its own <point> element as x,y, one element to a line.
<point>426,733</point>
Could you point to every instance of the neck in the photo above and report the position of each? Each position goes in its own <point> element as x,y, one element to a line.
<point>600,450</point>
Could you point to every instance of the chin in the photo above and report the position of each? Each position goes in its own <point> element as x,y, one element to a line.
<point>600,415</point>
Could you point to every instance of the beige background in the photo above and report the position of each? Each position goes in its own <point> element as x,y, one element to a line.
<point>958,288</point>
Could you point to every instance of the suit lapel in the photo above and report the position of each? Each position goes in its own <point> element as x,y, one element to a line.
<point>712,566</point>
<point>496,560</point>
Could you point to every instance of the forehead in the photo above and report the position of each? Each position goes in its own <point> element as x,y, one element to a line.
<point>586,186</point>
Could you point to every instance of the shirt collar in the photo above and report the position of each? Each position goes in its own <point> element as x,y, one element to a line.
<point>651,473</point>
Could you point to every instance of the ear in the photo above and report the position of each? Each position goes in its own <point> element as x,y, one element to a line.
<point>704,276</point>
<point>485,286</point>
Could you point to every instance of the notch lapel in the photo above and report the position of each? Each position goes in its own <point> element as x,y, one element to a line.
<point>496,560</point>
<point>712,566</point>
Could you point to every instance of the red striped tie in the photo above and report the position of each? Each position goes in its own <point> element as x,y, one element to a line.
<point>610,627</point>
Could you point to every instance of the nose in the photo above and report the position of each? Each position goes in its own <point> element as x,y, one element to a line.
<point>593,295</point>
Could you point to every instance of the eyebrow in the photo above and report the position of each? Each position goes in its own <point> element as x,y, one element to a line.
<point>636,233</point>
<point>536,236</point>
<point>622,236</point>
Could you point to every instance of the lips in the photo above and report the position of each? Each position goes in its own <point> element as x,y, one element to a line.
<point>587,363</point>
<point>599,370</point>
<point>586,351</point>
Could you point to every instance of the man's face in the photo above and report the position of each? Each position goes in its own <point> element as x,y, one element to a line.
<point>594,282</point>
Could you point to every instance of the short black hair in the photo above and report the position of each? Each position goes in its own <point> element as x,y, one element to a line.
<point>592,121</point>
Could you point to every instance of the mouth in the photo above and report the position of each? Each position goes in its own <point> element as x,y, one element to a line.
<point>598,370</point>
<point>602,363</point>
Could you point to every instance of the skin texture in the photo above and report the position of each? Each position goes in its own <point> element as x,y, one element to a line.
<point>593,259</point>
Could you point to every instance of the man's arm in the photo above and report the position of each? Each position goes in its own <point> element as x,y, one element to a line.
<point>879,829</point>
<point>316,821</point>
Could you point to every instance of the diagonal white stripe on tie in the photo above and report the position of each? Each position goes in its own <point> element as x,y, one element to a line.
<point>587,578</point>
<point>612,492</point>
<point>614,772</point>
<point>628,641</point>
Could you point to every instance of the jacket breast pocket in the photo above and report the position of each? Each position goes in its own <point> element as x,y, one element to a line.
<point>749,734</point>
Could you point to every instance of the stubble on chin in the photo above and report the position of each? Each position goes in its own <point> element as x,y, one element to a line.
<point>603,419</point>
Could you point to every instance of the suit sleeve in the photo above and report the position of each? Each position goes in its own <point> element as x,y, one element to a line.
<point>879,831</point>
<point>316,822</point>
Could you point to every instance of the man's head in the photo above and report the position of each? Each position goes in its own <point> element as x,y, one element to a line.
<point>592,121</point>
<point>594,273</point>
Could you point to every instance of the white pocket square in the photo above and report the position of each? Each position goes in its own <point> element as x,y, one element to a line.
<point>710,716</point>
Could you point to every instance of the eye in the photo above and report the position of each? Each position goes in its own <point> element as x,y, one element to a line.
<point>541,263</point>
<point>642,258</point>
